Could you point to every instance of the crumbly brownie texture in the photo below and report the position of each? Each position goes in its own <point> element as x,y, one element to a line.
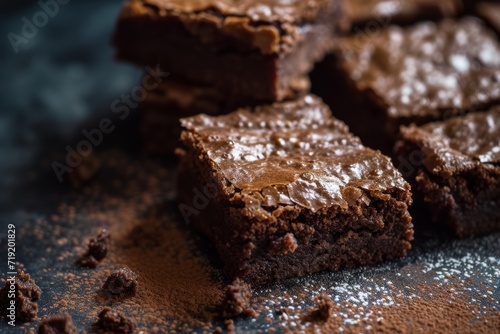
<point>97,250</point>
<point>289,174</point>
<point>417,75</point>
<point>490,12</point>
<point>236,300</point>
<point>322,312</point>
<point>256,50</point>
<point>366,15</point>
<point>116,322</point>
<point>58,324</point>
<point>26,295</point>
<point>460,172</point>
<point>121,284</point>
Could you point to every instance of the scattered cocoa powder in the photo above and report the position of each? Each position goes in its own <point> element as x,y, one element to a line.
<point>116,322</point>
<point>181,282</point>
<point>58,324</point>
<point>26,293</point>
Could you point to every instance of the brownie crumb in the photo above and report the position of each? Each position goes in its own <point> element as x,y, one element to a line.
<point>323,310</point>
<point>236,300</point>
<point>114,321</point>
<point>26,294</point>
<point>284,245</point>
<point>229,326</point>
<point>85,172</point>
<point>122,283</point>
<point>97,250</point>
<point>58,324</point>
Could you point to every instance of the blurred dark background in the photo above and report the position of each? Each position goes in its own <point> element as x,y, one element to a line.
<point>60,81</point>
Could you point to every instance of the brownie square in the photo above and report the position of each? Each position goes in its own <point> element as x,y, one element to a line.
<point>428,72</point>
<point>286,190</point>
<point>458,170</point>
<point>250,50</point>
<point>369,15</point>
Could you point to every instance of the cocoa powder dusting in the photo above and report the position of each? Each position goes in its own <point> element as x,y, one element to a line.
<point>443,287</point>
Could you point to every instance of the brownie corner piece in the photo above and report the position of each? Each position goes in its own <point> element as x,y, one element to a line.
<point>457,172</point>
<point>286,190</point>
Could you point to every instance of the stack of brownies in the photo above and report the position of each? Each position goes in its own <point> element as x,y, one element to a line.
<point>278,183</point>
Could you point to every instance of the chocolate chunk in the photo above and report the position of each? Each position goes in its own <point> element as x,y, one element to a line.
<point>25,292</point>
<point>122,283</point>
<point>97,250</point>
<point>114,321</point>
<point>58,324</point>
<point>236,299</point>
<point>323,310</point>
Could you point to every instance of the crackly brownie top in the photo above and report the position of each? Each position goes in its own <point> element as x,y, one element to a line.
<point>384,12</point>
<point>293,153</point>
<point>427,69</point>
<point>270,26</point>
<point>459,143</point>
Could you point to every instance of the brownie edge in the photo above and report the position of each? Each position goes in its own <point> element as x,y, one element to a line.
<point>458,172</point>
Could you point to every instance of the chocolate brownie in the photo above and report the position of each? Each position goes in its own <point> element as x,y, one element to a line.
<point>172,100</point>
<point>459,173</point>
<point>285,190</point>
<point>256,50</point>
<point>419,74</point>
<point>366,16</point>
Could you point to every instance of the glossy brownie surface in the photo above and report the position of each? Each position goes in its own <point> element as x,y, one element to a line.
<point>428,70</point>
<point>293,153</point>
